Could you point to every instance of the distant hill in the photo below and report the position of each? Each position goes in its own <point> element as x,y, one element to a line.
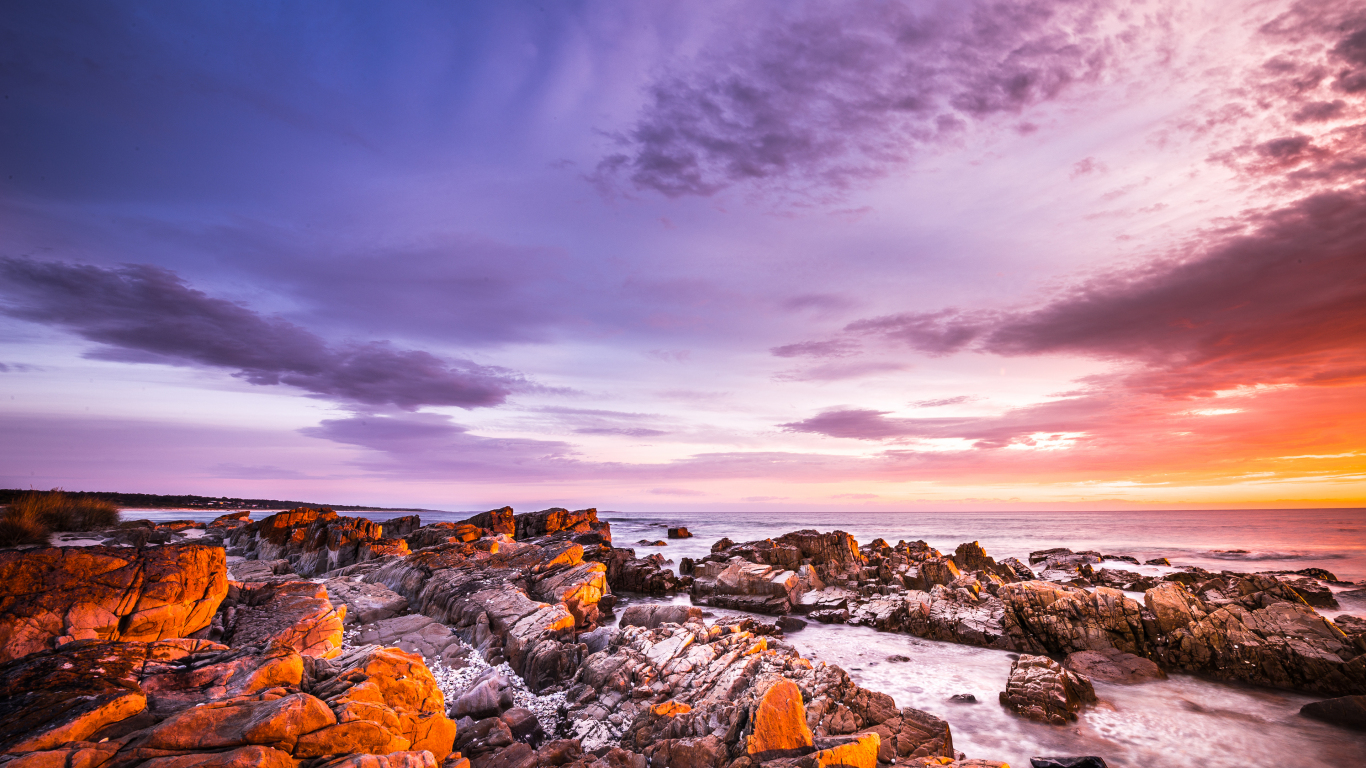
<point>162,501</point>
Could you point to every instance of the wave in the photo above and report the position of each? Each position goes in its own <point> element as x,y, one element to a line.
<point>1247,555</point>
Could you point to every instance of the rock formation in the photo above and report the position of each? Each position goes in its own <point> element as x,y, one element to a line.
<point>1040,689</point>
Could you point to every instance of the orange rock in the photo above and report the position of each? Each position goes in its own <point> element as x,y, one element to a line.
<point>59,594</point>
<point>245,757</point>
<point>409,759</point>
<point>671,708</point>
<point>456,761</point>
<point>780,723</point>
<point>237,722</point>
<point>345,738</point>
<point>858,753</point>
<point>393,689</point>
<point>76,754</point>
<point>105,710</point>
<point>296,614</point>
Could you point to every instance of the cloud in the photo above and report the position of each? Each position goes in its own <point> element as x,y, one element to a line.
<point>676,492</point>
<point>424,444</point>
<point>839,371</point>
<point>833,348</point>
<point>855,496</point>
<point>819,97</point>
<point>144,314</point>
<point>940,402</point>
<point>1278,302</point>
<point>763,498</point>
<point>622,431</point>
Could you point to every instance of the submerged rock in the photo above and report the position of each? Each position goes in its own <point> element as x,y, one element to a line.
<point>1347,711</point>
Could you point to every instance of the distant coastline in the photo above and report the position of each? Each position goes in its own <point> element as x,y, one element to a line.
<point>189,501</point>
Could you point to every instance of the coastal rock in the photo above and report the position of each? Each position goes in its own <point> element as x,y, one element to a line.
<point>316,541</point>
<point>679,533</point>
<point>1347,711</point>
<point>416,633</point>
<point>1311,591</point>
<point>556,519</point>
<point>651,616</point>
<point>1354,629</point>
<point>266,719</point>
<point>394,690</point>
<point>1040,689</point>
<point>780,728</point>
<point>489,696</point>
<point>53,697</point>
<point>497,595</point>
<point>1113,666</point>
<point>365,603</point>
<point>647,575</point>
<point>295,614</point>
<point>54,595</point>
<point>1044,617</point>
<point>1085,761</point>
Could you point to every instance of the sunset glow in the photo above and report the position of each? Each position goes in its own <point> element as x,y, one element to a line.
<point>688,256</point>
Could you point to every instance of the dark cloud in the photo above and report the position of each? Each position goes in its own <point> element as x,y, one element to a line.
<point>1279,302</point>
<point>824,97</point>
<point>141,313</point>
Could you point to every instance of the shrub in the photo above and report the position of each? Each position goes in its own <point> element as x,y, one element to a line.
<point>20,526</point>
<point>32,516</point>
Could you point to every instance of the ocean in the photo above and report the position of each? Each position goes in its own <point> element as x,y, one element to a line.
<point>1182,722</point>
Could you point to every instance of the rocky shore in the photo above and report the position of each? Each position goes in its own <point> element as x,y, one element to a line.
<point>310,639</point>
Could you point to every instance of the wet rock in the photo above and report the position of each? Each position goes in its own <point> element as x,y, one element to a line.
<point>1158,561</point>
<point>1121,558</point>
<point>54,595</point>
<point>1040,689</point>
<point>679,533</point>
<point>647,575</point>
<point>295,614</point>
<point>651,616</point>
<point>1087,761</point>
<point>1311,591</point>
<point>1347,711</point>
<point>1114,666</point>
<point>1354,629</point>
<point>962,698</point>
<point>1043,617</point>
<point>791,624</point>
<point>657,543</point>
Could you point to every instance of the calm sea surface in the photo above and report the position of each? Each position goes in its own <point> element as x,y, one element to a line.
<point>1182,722</point>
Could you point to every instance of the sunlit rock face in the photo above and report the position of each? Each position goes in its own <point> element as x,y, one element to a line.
<point>56,595</point>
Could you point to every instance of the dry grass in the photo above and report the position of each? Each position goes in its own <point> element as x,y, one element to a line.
<point>33,516</point>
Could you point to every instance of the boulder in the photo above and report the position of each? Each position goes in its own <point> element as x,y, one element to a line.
<point>1114,666</point>
<point>780,728</point>
<point>679,533</point>
<point>489,696</point>
<point>1346,711</point>
<point>365,603</point>
<point>418,634</point>
<point>54,595</point>
<point>1040,689</point>
<point>393,689</point>
<point>295,614</point>
<point>266,719</point>
<point>53,697</point>
<point>1044,617</point>
<point>651,616</point>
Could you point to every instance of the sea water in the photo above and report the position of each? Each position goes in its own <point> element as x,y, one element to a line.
<point>1182,722</point>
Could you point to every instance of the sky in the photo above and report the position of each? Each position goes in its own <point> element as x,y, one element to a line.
<point>700,255</point>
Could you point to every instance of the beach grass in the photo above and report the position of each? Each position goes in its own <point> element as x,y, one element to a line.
<point>33,517</point>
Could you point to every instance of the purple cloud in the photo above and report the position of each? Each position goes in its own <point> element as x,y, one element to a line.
<point>822,97</point>
<point>622,431</point>
<point>833,348</point>
<point>145,314</point>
